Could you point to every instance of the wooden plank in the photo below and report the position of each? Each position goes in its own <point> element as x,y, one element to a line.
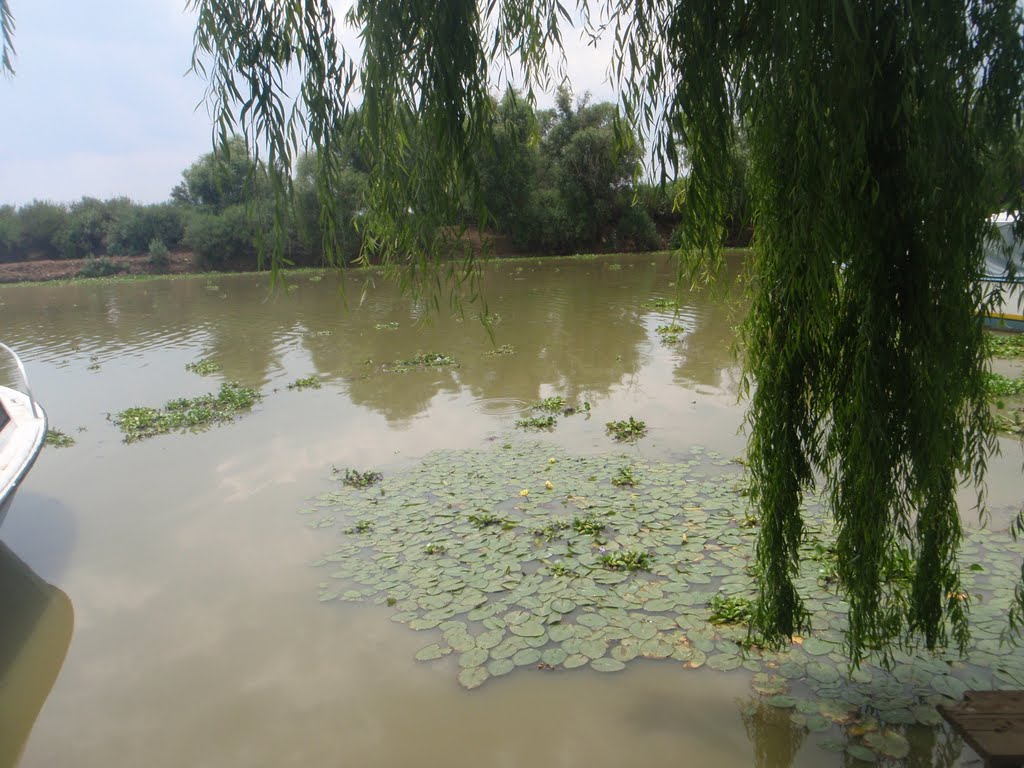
<point>992,722</point>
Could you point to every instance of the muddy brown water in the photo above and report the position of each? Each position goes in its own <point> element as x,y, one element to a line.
<point>198,639</point>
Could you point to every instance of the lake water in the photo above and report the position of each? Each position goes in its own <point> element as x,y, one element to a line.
<point>198,636</point>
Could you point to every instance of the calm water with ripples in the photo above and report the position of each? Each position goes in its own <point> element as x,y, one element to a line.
<point>197,636</point>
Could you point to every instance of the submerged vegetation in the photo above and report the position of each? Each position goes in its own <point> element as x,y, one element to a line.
<point>187,414</point>
<point>597,578</point>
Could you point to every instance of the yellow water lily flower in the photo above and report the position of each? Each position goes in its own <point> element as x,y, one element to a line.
<point>548,484</point>
<point>524,492</point>
<point>551,461</point>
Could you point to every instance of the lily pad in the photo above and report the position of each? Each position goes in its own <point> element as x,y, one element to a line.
<point>724,661</point>
<point>473,677</point>
<point>888,743</point>
<point>862,753</point>
<point>563,606</point>
<point>526,657</point>
<point>473,658</point>
<point>528,629</point>
<point>606,664</point>
<point>431,652</point>
<point>499,667</point>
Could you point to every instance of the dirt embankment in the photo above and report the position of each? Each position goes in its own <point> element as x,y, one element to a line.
<point>180,262</point>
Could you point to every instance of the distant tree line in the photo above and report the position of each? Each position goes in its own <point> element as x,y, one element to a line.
<point>554,181</point>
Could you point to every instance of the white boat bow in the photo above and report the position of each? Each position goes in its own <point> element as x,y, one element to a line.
<point>22,432</point>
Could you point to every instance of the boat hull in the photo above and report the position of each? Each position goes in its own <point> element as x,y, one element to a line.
<point>21,441</point>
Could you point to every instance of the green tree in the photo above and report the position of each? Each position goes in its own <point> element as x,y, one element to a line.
<point>40,222</point>
<point>10,234</point>
<point>220,179</point>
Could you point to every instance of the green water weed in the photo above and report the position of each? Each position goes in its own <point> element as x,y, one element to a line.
<point>627,431</point>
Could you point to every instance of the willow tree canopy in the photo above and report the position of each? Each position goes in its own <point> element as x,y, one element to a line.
<point>877,131</point>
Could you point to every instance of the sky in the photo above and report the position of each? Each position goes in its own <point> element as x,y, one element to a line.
<point>102,103</point>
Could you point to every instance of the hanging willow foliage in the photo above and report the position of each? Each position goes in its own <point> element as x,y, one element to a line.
<point>879,133</point>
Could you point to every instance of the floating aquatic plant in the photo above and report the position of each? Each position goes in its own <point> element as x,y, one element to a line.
<point>670,334</point>
<point>588,526</point>
<point>1000,386</point>
<point>625,476</point>
<point>421,361</point>
<point>392,326</point>
<point>663,304</point>
<point>484,519</point>
<point>203,367</point>
<point>537,422</point>
<point>58,439</point>
<point>726,609</point>
<point>626,560</point>
<point>552,528</point>
<point>533,591</point>
<point>355,479</point>
<point>1012,422</point>
<point>553,404</point>
<point>627,431</point>
<point>504,349</point>
<point>310,382</point>
<point>1000,345</point>
<point>361,526</point>
<point>187,414</point>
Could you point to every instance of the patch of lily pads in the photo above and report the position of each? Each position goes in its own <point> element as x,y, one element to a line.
<point>513,557</point>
